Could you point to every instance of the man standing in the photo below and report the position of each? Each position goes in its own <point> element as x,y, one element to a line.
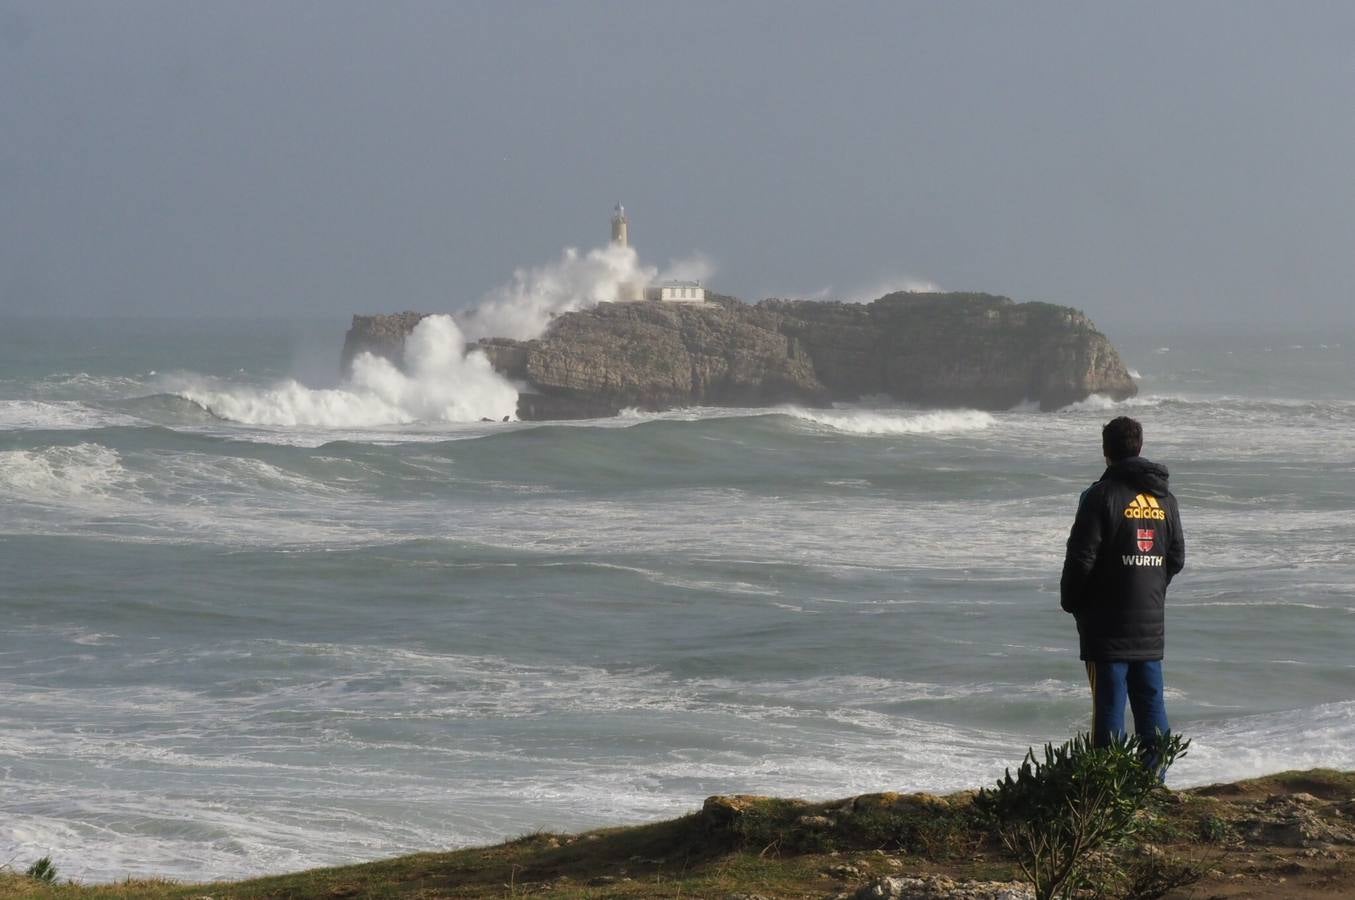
<point>1124,549</point>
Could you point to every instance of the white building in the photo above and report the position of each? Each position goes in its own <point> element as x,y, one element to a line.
<point>676,292</point>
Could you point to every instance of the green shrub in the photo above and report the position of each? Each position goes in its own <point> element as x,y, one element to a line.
<point>42,870</point>
<point>1079,799</point>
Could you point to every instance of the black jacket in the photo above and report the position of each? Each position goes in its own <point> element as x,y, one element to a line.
<point>1124,549</point>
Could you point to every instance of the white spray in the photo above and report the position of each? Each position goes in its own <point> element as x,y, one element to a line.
<point>523,308</point>
<point>440,380</point>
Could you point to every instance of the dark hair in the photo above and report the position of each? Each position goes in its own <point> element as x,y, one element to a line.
<point>1121,438</point>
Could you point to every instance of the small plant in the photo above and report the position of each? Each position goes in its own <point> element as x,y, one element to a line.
<point>1155,876</point>
<point>42,870</point>
<point>1213,829</point>
<point>1057,812</point>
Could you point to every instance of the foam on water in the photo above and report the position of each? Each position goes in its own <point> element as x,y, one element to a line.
<point>236,796</point>
<point>1251,746</point>
<point>77,386</point>
<point>95,490</point>
<point>692,737</point>
<point>227,653</point>
<point>57,415</point>
<point>84,471</point>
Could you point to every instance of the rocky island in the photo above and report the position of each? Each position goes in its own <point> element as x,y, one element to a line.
<point>931,349</point>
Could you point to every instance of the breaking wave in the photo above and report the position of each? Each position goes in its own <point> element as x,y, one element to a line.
<point>441,382</point>
<point>61,473</point>
<point>876,422</point>
<point>1098,402</point>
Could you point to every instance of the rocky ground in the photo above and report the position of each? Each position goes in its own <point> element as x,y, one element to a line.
<point>1284,836</point>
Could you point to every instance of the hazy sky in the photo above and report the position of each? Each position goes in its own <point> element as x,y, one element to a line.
<point>1145,162</point>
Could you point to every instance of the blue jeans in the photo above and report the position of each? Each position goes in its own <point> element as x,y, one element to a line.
<point>1141,683</point>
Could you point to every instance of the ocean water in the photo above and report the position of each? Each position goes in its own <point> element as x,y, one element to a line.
<point>256,622</point>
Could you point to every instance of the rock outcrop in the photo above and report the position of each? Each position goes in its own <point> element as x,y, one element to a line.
<point>973,350</point>
<point>382,335</point>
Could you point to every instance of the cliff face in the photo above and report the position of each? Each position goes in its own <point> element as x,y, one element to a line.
<point>657,356</point>
<point>973,350</point>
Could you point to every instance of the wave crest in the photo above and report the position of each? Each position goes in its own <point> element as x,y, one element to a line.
<point>878,422</point>
<point>1100,402</point>
<point>56,415</point>
<point>61,473</point>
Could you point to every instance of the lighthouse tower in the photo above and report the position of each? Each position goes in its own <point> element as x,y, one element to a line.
<point>626,291</point>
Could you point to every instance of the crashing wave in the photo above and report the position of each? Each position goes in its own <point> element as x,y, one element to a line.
<point>440,382</point>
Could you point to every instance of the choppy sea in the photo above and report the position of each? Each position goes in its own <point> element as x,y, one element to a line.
<point>256,622</point>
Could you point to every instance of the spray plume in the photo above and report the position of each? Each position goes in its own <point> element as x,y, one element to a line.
<point>441,381</point>
<point>523,307</point>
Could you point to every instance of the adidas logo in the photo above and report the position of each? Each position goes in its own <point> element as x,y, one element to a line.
<point>1144,506</point>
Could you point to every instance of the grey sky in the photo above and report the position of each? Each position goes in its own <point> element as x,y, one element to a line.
<point>1145,162</point>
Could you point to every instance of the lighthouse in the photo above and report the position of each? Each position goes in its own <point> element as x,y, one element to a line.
<point>637,291</point>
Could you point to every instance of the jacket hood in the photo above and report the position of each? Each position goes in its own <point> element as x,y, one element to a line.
<point>1140,474</point>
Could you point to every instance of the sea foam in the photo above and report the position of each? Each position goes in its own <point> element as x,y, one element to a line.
<point>61,473</point>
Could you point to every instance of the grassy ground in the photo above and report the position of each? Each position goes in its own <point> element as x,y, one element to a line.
<point>1285,835</point>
